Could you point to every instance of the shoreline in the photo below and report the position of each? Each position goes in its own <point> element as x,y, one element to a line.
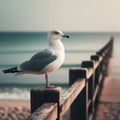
<point>14,103</point>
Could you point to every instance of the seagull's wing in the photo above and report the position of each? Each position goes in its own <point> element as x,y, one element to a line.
<point>38,61</point>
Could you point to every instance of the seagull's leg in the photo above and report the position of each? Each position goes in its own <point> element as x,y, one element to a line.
<point>47,82</point>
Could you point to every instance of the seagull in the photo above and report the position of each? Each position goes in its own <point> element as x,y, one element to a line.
<point>44,61</point>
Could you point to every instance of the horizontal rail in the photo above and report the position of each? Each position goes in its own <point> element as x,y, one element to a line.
<point>47,111</point>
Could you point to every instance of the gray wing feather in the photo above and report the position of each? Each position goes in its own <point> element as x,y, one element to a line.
<point>38,61</point>
<point>43,54</point>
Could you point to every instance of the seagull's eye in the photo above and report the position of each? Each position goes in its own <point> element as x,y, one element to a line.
<point>55,32</point>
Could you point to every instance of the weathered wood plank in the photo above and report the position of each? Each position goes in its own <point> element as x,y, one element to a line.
<point>90,73</point>
<point>78,109</point>
<point>69,96</point>
<point>100,78</point>
<point>41,95</point>
<point>96,92</point>
<point>47,111</point>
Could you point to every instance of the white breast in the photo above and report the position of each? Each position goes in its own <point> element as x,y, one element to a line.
<point>55,64</point>
<point>58,50</point>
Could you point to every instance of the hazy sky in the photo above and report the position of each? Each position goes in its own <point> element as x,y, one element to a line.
<point>68,15</point>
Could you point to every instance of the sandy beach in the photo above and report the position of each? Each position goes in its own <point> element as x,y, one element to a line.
<point>14,109</point>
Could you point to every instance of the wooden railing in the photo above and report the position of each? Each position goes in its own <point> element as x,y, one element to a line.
<point>82,95</point>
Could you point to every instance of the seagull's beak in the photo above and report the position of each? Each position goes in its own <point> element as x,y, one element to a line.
<point>66,36</point>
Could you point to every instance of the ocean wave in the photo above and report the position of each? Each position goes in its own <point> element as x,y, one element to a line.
<point>15,93</point>
<point>20,91</point>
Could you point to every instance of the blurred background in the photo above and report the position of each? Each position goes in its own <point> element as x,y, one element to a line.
<point>23,32</point>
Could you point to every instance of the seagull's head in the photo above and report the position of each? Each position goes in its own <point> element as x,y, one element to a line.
<point>56,35</point>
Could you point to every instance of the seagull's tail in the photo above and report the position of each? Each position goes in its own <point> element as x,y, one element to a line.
<point>11,70</point>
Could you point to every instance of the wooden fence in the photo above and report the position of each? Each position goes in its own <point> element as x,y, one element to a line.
<point>81,97</point>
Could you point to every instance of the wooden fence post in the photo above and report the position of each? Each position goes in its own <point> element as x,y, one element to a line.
<point>96,58</point>
<point>90,83</point>
<point>41,95</point>
<point>97,71</point>
<point>78,110</point>
<point>111,46</point>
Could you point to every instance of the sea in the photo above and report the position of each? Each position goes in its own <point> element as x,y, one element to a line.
<point>17,47</point>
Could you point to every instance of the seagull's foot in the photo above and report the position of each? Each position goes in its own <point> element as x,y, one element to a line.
<point>50,86</point>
